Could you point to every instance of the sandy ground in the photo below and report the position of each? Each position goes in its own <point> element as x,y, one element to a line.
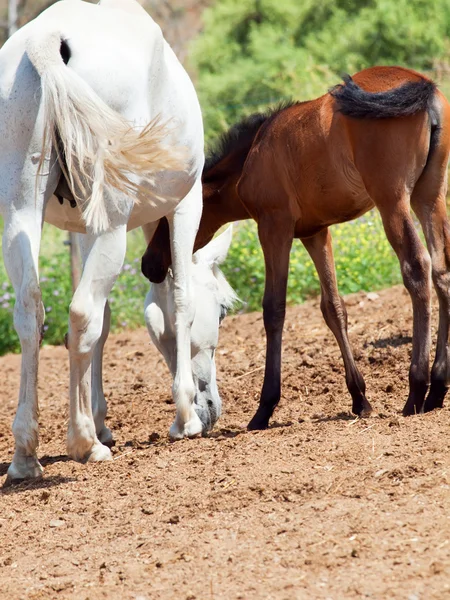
<point>319,506</point>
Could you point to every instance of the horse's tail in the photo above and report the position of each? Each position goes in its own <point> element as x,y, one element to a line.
<point>406,100</point>
<point>100,154</point>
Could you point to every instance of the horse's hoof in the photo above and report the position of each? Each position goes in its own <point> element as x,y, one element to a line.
<point>25,468</point>
<point>99,453</point>
<point>96,453</point>
<point>105,437</point>
<point>192,428</point>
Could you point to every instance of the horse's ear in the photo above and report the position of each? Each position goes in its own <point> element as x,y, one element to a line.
<point>216,251</point>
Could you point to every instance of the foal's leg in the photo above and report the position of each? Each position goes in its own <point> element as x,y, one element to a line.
<point>99,406</point>
<point>21,241</point>
<point>335,315</point>
<point>276,233</point>
<point>415,266</point>
<point>428,202</point>
<point>183,225</point>
<point>102,266</point>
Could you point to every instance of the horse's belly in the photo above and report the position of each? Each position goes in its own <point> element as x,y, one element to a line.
<point>151,209</point>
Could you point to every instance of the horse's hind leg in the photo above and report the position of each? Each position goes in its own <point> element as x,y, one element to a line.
<point>415,266</point>
<point>104,255</point>
<point>21,241</point>
<point>335,315</point>
<point>276,233</point>
<point>428,202</point>
<point>183,225</point>
<point>99,405</point>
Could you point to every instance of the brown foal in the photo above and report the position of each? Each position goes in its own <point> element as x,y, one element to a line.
<point>380,139</point>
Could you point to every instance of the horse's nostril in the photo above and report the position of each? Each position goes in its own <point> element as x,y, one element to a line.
<point>210,403</point>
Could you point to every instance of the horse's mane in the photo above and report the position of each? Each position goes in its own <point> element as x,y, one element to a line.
<point>241,135</point>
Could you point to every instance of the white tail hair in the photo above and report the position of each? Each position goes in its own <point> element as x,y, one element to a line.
<point>101,151</point>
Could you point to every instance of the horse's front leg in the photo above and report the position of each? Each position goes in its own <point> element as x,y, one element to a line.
<point>276,233</point>
<point>183,228</point>
<point>104,256</point>
<point>21,241</point>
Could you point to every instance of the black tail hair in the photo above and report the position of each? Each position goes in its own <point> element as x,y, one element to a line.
<point>408,99</point>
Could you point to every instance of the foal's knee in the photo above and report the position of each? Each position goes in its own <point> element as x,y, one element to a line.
<point>416,273</point>
<point>274,314</point>
<point>333,309</point>
<point>441,280</point>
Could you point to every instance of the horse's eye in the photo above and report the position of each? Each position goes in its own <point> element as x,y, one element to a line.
<point>223,313</point>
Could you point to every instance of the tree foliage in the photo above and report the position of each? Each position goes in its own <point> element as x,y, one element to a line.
<point>255,52</point>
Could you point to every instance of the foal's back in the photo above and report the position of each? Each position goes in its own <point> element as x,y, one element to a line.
<point>324,167</point>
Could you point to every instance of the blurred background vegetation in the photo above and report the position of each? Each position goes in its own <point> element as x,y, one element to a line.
<point>245,55</point>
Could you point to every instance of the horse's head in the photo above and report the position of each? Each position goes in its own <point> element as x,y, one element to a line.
<point>212,298</point>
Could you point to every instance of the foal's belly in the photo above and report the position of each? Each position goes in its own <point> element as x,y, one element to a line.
<point>333,210</point>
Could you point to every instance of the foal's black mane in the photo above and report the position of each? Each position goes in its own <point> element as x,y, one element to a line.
<point>241,135</point>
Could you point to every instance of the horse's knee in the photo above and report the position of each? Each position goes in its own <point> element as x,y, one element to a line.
<point>29,315</point>
<point>85,325</point>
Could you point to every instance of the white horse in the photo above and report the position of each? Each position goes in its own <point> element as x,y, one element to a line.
<point>94,106</point>
<point>213,296</point>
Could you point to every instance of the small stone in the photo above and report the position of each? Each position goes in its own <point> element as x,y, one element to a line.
<point>45,495</point>
<point>380,473</point>
<point>354,553</point>
<point>57,523</point>
<point>174,520</point>
<point>147,511</point>
<point>372,296</point>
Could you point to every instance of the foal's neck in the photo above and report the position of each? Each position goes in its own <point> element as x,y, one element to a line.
<point>221,205</point>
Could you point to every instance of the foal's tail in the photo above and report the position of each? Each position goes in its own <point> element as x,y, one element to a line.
<point>403,101</point>
<point>100,154</point>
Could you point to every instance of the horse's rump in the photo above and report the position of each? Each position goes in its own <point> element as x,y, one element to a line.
<point>97,148</point>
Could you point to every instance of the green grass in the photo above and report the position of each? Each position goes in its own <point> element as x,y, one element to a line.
<point>127,298</point>
<point>364,261</point>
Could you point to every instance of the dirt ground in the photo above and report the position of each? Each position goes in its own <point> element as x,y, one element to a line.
<point>319,506</point>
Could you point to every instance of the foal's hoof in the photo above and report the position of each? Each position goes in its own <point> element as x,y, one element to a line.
<point>365,412</point>
<point>258,423</point>
<point>192,428</point>
<point>362,408</point>
<point>25,468</point>
<point>435,398</point>
<point>410,409</point>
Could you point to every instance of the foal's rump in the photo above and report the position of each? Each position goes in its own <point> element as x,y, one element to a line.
<point>393,120</point>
